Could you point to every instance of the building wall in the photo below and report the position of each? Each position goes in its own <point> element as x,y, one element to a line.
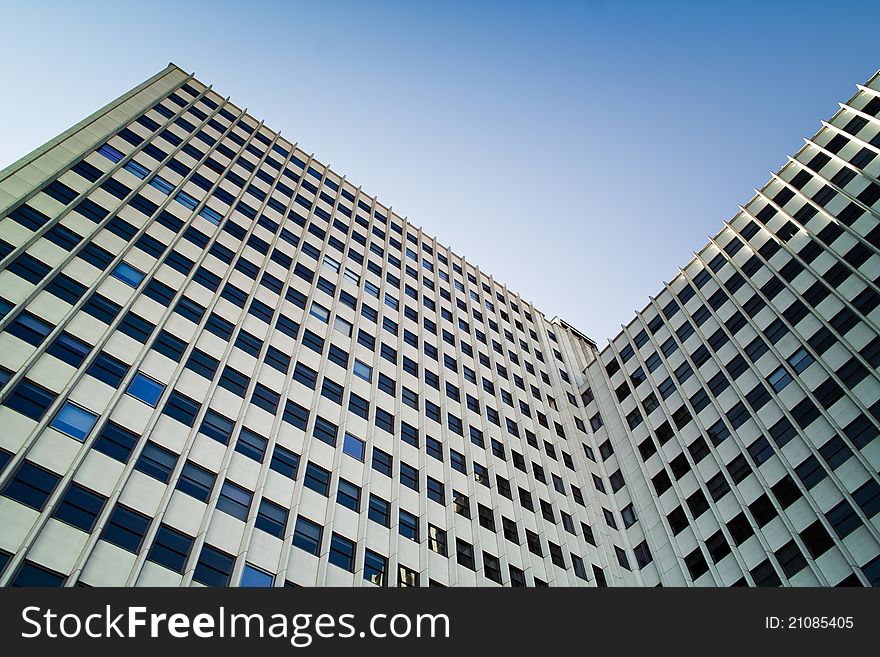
<point>190,307</point>
<point>742,402</point>
<point>223,363</point>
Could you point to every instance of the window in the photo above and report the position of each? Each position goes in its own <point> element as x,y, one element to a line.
<point>342,552</point>
<point>182,408</point>
<point>307,536</point>
<point>251,444</point>
<point>271,518</point>
<point>319,311</point>
<point>354,446</point>
<point>32,575</point>
<point>437,540</point>
<point>214,567</point>
<point>363,370</point>
<point>145,389</point>
<point>409,476</point>
<point>375,568</point>
<point>348,495</point>
<point>156,462</point>
<point>779,378</point>
<point>80,507</point>
<point>436,491</point>
<point>253,577</point>
<point>408,526</point>
<point>342,326</point>
<point>458,461</point>
<point>196,481</point>
<point>170,549</point>
<point>69,349</point>
<point>234,500</point>
<point>108,369</point>
<point>407,577</point>
<point>128,274</point>
<point>318,479</point>
<point>843,519</point>
<point>126,528</point>
<point>381,462</point>
<point>534,543</point>
<point>379,511</point>
<point>325,431</point>
<point>284,462</point>
<point>800,360</point>
<point>464,554</point>
<point>217,427</point>
<point>75,421</point>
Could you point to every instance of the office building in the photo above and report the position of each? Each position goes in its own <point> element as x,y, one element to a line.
<point>223,363</point>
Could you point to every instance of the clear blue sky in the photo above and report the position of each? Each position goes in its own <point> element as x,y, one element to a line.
<point>578,151</point>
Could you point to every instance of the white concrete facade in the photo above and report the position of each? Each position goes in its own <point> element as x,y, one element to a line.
<point>224,364</point>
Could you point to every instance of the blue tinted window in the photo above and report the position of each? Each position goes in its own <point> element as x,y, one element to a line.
<point>126,529</point>
<point>69,349</point>
<point>31,485</point>
<point>116,442</point>
<point>30,399</point>
<point>162,185</point>
<point>110,153</point>
<point>354,446</point>
<point>108,369</point>
<point>214,567</point>
<point>136,169</point>
<point>156,462</point>
<point>128,274</point>
<point>74,420</point>
<point>80,507</point>
<point>254,577</point>
<point>32,575</point>
<point>146,389</point>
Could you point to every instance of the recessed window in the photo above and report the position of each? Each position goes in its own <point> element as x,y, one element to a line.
<point>800,360</point>
<point>196,481</point>
<point>319,311</point>
<point>214,567</point>
<point>31,485</point>
<point>779,378</point>
<point>307,535</point>
<point>156,462</point>
<point>348,495</point>
<point>354,446</point>
<point>253,577</point>
<point>80,507</point>
<point>272,518</point>
<point>342,552</point>
<point>146,389</point>
<point>126,529</point>
<point>170,549</point>
<point>75,421</point>
<point>375,568</point>
<point>234,500</point>
<point>363,370</point>
<point>31,575</point>
<point>128,274</point>
<point>342,326</point>
<point>318,479</point>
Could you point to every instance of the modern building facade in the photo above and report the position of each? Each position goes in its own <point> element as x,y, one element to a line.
<point>224,364</point>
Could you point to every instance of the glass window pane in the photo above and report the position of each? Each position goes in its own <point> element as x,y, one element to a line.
<point>354,447</point>
<point>146,389</point>
<point>128,274</point>
<point>74,420</point>
<point>256,578</point>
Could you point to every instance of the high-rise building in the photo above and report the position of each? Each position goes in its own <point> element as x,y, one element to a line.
<point>224,364</point>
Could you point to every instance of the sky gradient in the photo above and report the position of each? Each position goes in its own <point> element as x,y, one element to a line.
<point>579,152</point>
